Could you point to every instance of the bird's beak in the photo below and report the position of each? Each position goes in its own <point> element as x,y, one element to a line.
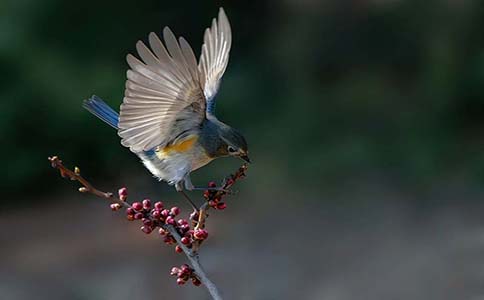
<point>245,157</point>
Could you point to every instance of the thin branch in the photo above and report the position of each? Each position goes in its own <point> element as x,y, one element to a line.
<point>190,254</point>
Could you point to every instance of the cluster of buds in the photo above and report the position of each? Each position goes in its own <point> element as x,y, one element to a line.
<point>188,235</point>
<point>184,273</point>
<point>156,216</point>
<point>214,196</point>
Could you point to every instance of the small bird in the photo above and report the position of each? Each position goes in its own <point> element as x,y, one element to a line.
<point>167,116</point>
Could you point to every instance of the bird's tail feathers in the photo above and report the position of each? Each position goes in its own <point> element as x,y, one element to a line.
<point>100,109</point>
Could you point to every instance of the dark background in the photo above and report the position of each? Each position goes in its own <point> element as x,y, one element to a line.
<point>364,121</point>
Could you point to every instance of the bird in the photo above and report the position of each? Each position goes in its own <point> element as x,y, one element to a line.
<point>167,117</point>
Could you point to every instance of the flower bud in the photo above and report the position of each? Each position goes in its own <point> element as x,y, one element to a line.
<point>175,211</point>
<point>170,220</point>
<point>196,281</point>
<point>200,234</point>
<point>137,206</point>
<point>146,229</point>
<point>130,211</point>
<point>147,204</point>
<point>185,240</point>
<point>178,249</point>
<point>174,271</point>
<point>159,205</point>
<point>138,216</point>
<point>123,193</point>
<point>155,214</point>
<point>115,206</point>
<point>147,221</point>
<point>212,184</point>
<point>180,281</point>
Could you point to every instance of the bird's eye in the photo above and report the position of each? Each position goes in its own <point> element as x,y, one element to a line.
<point>231,149</point>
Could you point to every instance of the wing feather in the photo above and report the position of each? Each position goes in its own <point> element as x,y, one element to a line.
<point>163,97</point>
<point>214,57</point>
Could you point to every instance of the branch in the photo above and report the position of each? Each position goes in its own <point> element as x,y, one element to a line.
<point>175,232</point>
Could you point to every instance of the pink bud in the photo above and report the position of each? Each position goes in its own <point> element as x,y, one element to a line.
<point>155,214</point>
<point>130,211</point>
<point>175,210</point>
<point>180,281</point>
<point>159,205</point>
<point>123,193</point>
<point>147,204</point>
<point>165,213</point>
<point>137,206</point>
<point>162,231</point>
<point>178,249</point>
<point>212,184</point>
<point>138,216</point>
<point>170,220</point>
<point>115,206</point>
<point>174,271</point>
<point>200,234</point>
<point>146,229</point>
<point>185,240</point>
<point>147,221</point>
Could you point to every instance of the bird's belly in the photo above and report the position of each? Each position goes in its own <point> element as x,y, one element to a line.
<point>172,166</point>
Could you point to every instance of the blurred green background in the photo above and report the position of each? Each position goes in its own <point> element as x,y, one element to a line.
<point>364,121</point>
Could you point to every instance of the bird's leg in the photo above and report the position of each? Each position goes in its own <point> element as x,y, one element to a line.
<point>189,200</point>
<point>179,188</point>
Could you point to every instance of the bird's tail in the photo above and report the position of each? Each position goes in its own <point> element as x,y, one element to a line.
<point>100,109</point>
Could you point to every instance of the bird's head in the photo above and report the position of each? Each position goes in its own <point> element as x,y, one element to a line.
<point>233,144</point>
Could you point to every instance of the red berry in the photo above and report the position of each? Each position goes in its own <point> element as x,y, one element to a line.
<point>175,211</point>
<point>146,229</point>
<point>212,184</point>
<point>130,211</point>
<point>185,240</point>
<point>137,206</point>
<point>178,249</point>
<point>138,216</point>
<point>147,204</point>
<point>180,281</point>
<point>159,205</point>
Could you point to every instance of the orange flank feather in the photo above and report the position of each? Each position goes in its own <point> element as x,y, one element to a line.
<point>182,146</point>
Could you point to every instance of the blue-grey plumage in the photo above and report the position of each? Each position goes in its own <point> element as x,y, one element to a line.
<point>167,116</point>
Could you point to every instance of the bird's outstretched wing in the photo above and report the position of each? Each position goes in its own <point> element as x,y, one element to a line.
<point>163,99</point>
<point>214,57</point>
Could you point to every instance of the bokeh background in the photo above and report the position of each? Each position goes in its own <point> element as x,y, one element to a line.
<point>365,122</point>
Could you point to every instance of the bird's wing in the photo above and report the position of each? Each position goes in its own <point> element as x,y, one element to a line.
<point>214,57</point>
<point>163,99</point>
